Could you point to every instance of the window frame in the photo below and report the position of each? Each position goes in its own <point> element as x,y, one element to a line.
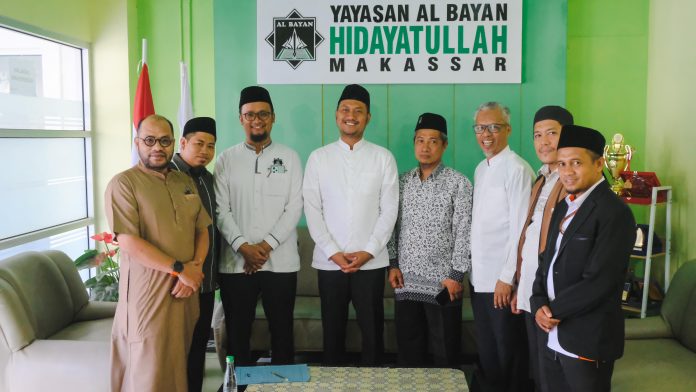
<point>86,134</point>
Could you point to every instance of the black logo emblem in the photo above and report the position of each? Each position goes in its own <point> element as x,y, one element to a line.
<point>294,39</point>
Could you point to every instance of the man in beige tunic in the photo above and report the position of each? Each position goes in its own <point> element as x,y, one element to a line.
<point>161,227</point>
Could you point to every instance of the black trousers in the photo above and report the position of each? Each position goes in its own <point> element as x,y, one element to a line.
<point>501,341</point>
<point>201,335</point>
<point>419,325</point>
<point>240,293</point>
<point>365,289</point>
<point>564,373</point>
<point>536,344</point>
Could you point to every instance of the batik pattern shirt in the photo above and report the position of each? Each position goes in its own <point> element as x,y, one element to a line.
<point>431,240</point>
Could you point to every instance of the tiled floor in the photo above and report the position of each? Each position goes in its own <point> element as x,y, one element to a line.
<point>213,373</point>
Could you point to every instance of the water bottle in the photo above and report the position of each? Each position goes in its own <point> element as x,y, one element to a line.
<point>230,383</point>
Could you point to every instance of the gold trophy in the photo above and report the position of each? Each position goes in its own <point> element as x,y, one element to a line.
<point>617,158</point>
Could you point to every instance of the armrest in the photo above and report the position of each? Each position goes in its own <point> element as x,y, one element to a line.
<point>653,327</point>
<point>16,327</point>
<point>95,310</point>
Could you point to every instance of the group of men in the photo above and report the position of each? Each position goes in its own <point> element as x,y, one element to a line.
<point>554,249</point>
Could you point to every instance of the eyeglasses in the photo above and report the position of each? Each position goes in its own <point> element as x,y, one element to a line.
<point>251,116</point>
<point>151,141</point>
<point>492,128</point>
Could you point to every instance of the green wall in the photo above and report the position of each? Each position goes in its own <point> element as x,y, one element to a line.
<point>631,70</point>
<point>607,71</point>
<point>177,30</point>
<point>607,68</point>
<point>305,113</point>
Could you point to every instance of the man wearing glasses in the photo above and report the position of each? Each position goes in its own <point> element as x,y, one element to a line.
<point>502,184</point>
<point>162,230</point>
<point>258,187</point>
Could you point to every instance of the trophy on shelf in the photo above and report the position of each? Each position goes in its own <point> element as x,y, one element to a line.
<point>617,158</point>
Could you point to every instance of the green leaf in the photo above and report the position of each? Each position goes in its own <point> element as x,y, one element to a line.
<point>86,259</point>
<point>105,292</point>
<point>91,282</point>
<point>107,280</point>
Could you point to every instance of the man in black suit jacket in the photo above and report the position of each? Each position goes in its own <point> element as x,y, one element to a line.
<point>577,291</point>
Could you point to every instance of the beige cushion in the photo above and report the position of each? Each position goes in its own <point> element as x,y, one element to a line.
<point>51,336</point>
<point>679,306</point>
<point>655,365</point>
<point>40,285</point>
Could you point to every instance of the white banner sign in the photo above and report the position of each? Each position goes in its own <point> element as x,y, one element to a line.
<point>406,41</point>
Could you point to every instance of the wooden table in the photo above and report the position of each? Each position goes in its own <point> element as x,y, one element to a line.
<point>373,379</point>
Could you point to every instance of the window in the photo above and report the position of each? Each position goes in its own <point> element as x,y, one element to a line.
<point>46,142</point>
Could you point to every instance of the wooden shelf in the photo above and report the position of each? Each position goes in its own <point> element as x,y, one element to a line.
<point>645,257</point>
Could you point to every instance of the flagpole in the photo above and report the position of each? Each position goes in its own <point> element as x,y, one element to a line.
<point>143,58</point>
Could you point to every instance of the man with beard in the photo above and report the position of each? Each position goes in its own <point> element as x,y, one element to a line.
<point>576,296</point>
<point>197,149</point>
<point>351,192</point>
<point>162,230</point>
<point>258,186</point>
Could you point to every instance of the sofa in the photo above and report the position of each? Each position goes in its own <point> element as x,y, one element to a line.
<point>307,324</point>
<point>660,351</point>
<point>52,338</point>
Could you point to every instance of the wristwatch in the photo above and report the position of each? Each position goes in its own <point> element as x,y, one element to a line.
<point>177,267</point>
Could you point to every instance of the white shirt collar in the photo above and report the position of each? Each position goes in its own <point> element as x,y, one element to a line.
<point>253,148</point>
<point>546,171</point>
<point>499,157</point>
<point>345,146</point>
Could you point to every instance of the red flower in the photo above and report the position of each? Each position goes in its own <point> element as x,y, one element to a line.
<point>106,237</point>
<point>112,253</point>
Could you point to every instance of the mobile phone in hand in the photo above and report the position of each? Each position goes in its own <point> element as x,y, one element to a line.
<point>443,297</point>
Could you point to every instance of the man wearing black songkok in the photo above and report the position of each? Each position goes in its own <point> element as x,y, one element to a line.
<point>430,251</point>
<point>547,191</point>
<point>196,150</point>
<point>258,185</point>
<point>577,290</point>
<point>351,199</point>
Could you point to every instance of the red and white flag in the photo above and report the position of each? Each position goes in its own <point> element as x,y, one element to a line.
<point>142,108</point>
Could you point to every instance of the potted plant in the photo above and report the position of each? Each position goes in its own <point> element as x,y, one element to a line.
<point>104,285</point>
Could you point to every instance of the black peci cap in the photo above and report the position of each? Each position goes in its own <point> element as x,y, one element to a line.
<point>356,92</point>
<point>562,115</point>
<point>254,94</point>
<point>578,136</point>
<point>200,124</point>
<point>432,121</point>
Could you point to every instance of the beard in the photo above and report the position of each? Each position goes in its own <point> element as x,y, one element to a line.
<point>258,138</point>
<point>145,159</point>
